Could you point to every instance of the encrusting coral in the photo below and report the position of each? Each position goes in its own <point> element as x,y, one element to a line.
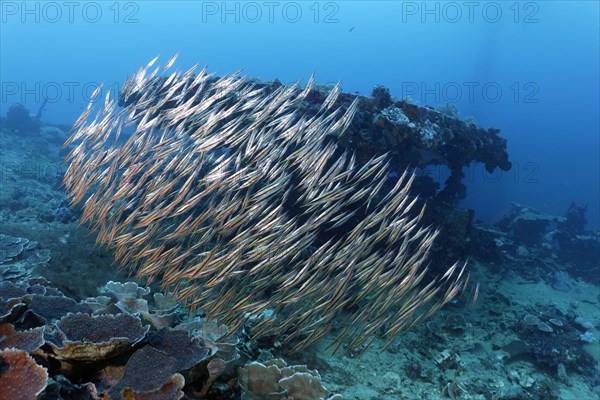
<point>239,204</point>
<point>28,340</point>
<point>274,379</point>
<point>20,376</point>
<point>86,337</point>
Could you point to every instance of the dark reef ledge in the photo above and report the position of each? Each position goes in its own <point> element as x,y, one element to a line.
<point>420,137</point>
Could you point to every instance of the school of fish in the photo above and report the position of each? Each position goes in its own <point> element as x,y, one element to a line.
<point>241,206</point>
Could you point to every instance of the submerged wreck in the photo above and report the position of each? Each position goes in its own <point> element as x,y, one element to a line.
<point>376,252</point>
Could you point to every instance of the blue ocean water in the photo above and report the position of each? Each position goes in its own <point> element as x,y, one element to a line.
<point>526,325</point>
<point>528,68</point>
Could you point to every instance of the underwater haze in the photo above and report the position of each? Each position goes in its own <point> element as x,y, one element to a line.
<point>528,68</point>
<point>418,218</point>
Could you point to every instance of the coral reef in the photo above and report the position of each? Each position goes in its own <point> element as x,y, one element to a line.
<point>19,120</point>
<point>553,339</point>
<point>541,246</point>
<point>275,379</point>
<point>68,337</point>
<point>149,373</point>
<point>222,186</point>
<point>19,256</point>
<point>20,376</point>
<point>530,334</point>
<point>86,337</point>
<point>27,340</point>
<point>381,97</point>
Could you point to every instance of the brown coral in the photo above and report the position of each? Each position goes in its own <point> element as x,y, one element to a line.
<point>27,341</point>
<point>274,379</point>
<point>85,337</point>
<point>178,344</point>
<point>21,378</point>
<point>51,308</point>
<point>149,374</point>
